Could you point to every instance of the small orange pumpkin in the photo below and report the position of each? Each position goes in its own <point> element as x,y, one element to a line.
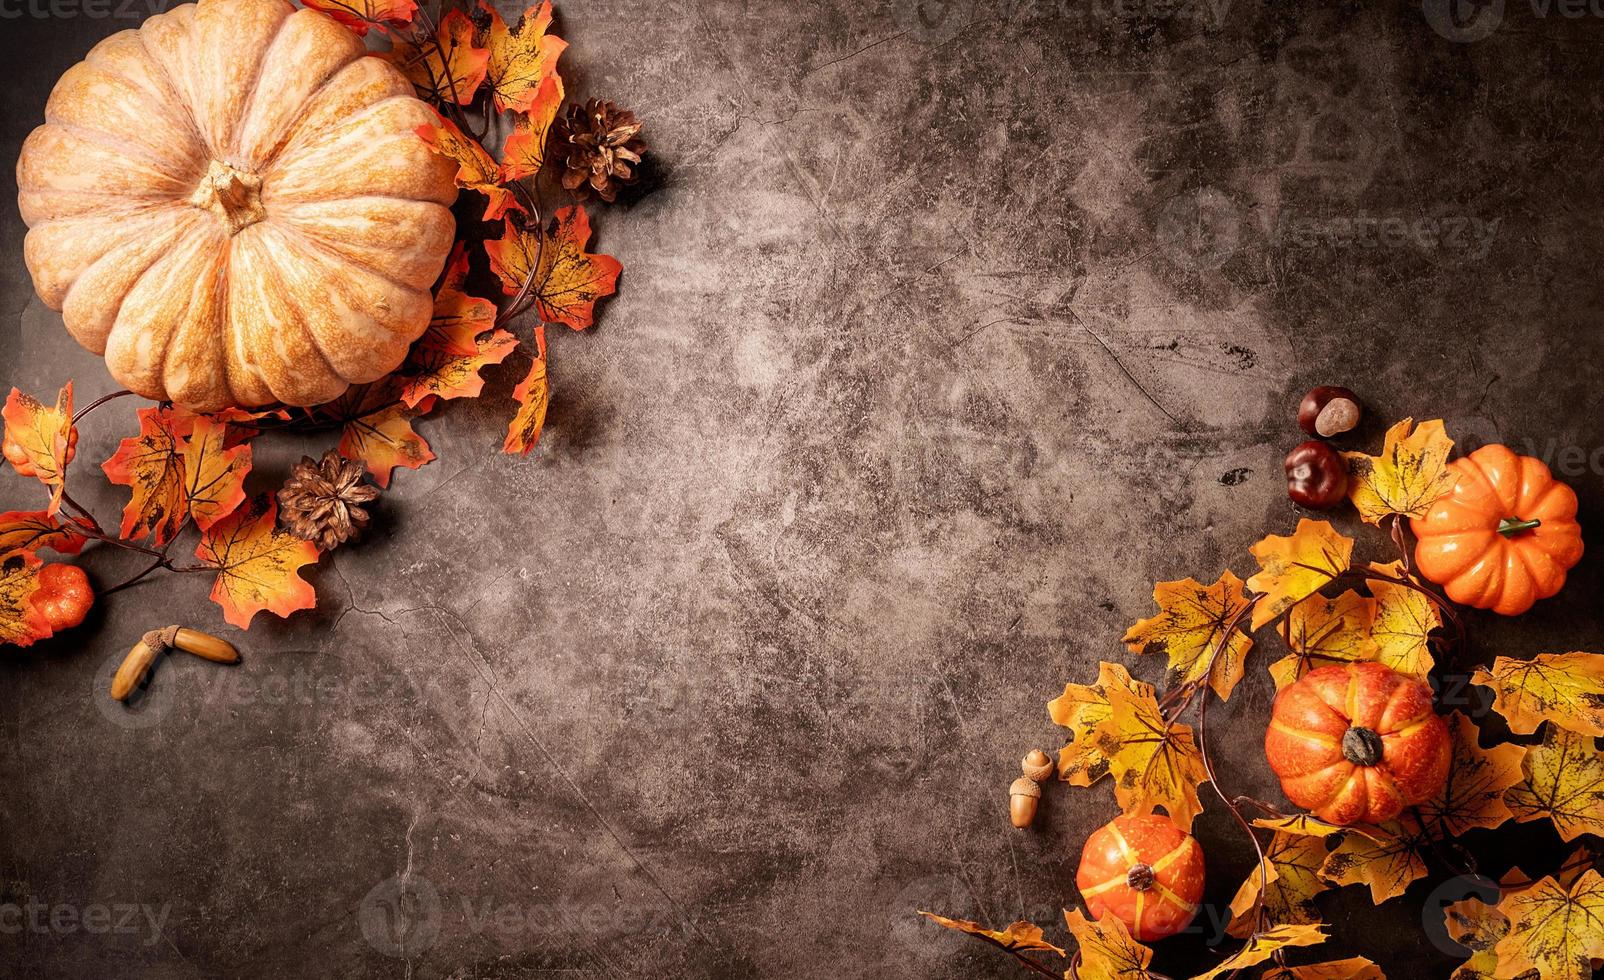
<point>1504,536</point>
<point>64,597</point>
<point>1356,743</point>
<point>1145,871</point>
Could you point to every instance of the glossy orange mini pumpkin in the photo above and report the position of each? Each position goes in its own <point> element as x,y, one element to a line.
<point>64,597</point>
<point>1356,743</point>
<point>1504,536</point>
<point>1145,871</point>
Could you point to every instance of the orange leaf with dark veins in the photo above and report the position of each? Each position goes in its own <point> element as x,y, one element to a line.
<point>28,531</point>
<point>214,476</point>
<point>477,170</point>
<point>448,71</point>
<point>20,623</point>
<point>567,280</point>
<point>438,367</point>
<point>521,58</point>
<point>257,564</point>
<point>39,440</point>
<point>378,429</point>
<point>533,396</point>
<point>525,150</point>
<point>152,463</point>
<point>360,15</point>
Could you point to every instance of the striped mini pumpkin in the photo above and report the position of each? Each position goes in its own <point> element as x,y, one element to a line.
<point>1145,871</point>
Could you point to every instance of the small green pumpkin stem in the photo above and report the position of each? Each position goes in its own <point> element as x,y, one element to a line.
<point>1511,526</point>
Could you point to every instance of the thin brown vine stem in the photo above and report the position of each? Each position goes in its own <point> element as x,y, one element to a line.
<point>125,583</point>
<point>1443,605</point>
<point>103,399</point>
<point>1403,547</point>
<point>1236,814</point>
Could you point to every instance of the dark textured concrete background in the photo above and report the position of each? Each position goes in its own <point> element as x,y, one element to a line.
<point>943,335</point>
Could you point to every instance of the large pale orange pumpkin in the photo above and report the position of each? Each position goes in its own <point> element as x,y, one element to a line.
<point>232,204</point>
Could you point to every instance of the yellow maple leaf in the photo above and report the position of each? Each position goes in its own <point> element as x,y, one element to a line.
<point>1295,567</point>
<point>1320,632</point>
<point>1264,945</point>
<point>522,58</point>
<point>1411,472</point>
<point>40,440</point>
<point>1386,859</point>
<point>1478,927</point>
<point>1564,688</point>
<point>1289,883</point>
<point>1082,708</point>
<point>1190,630</point>
<point>1564,782</point>
<point>1106,949</point>
<point>1403,624</point>
<point>1556,931</point>
<point>1155,762</point>
<point>1353,968</point>
<point>257,564</point>
<point>1473,795</point>
<point>1020,935</point>
<point>1307,825</point>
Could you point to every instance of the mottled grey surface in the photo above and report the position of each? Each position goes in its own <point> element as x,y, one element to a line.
<point>938,342</point>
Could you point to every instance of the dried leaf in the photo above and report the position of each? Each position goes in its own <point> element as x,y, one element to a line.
<point>1020,935</point>
<point>1293,568</point>
<point>1403,624</point>
<point>214,476</point>
<point>1321,632</point>
<point>533,396</point>
<point>1107,951</point>
<point>1473,796</point>
<point>521,58</point>
<point>1191,624</point>
<point>477,170</point>
<point>1564,688</point>
<point>1264,945</point>
<point>26,531</point>
<point>1291,881</point>
<point>360,15</point>
<point>20,623</point>
<point>524,153</point>
<point>1386,859</point>
<point>1564,782</point>
<point>1082,709</point>
<point>378,430</point>
<point>1556,931</point>
<point>45,436</point>
<point>152,464</point>
<point>448,71</point>
<point>257,564</point>
<point>1155,762</point>
<point>567,280</point>
<point>1411,472</point>
<point>460,342</point>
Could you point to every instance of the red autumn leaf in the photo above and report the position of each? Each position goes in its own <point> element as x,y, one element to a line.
<point>360,15</point>
<point>40,440</point>
<point>521,58</point>
<point>257,564</point>
<point>28,531</point>
<point>533,395</point>
<point>567,280</point>
<point>152,463</point>
<point>20,623</point>
<point>378,429</point>
<point>477,170</point>
<point>447,66</point>
<point>525,150</point>
<point>214,476</point>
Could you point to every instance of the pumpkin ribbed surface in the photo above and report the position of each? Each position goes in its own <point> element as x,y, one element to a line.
<point>233,206</point>
<point>1356,743</point>
<point>1145,871</point>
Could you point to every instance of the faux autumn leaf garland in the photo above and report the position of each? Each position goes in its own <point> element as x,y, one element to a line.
<point>482,75</point>
<point>1391,623</point>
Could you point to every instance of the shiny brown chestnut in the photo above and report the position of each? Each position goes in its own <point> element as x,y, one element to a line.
<point>1328,410</point>
<point>1317,475</point>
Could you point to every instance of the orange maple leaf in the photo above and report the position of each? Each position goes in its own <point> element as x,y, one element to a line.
<point>567,280</point>
<point>257,564</point>
<point>214,476</point>
<point>20,623</point>
<point>378,429</point>
<point>477,170</point>
<point>533,396</point>
<point>152,463</point>
<point>438,368</point>
<point>39,440</point>
<point>446,67</point>
<point>25,531</point>
<point>521,58</point>
<point>360,15</point>
<point>524,153</point>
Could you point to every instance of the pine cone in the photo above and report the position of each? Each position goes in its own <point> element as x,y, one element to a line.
<point>597,144</point>
<point>323,501</point>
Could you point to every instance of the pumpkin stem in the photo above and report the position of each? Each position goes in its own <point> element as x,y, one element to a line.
<point>232,195</point>
<point>1361,746</point>
<point>1140,877</point>
<point>1511,526</point>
